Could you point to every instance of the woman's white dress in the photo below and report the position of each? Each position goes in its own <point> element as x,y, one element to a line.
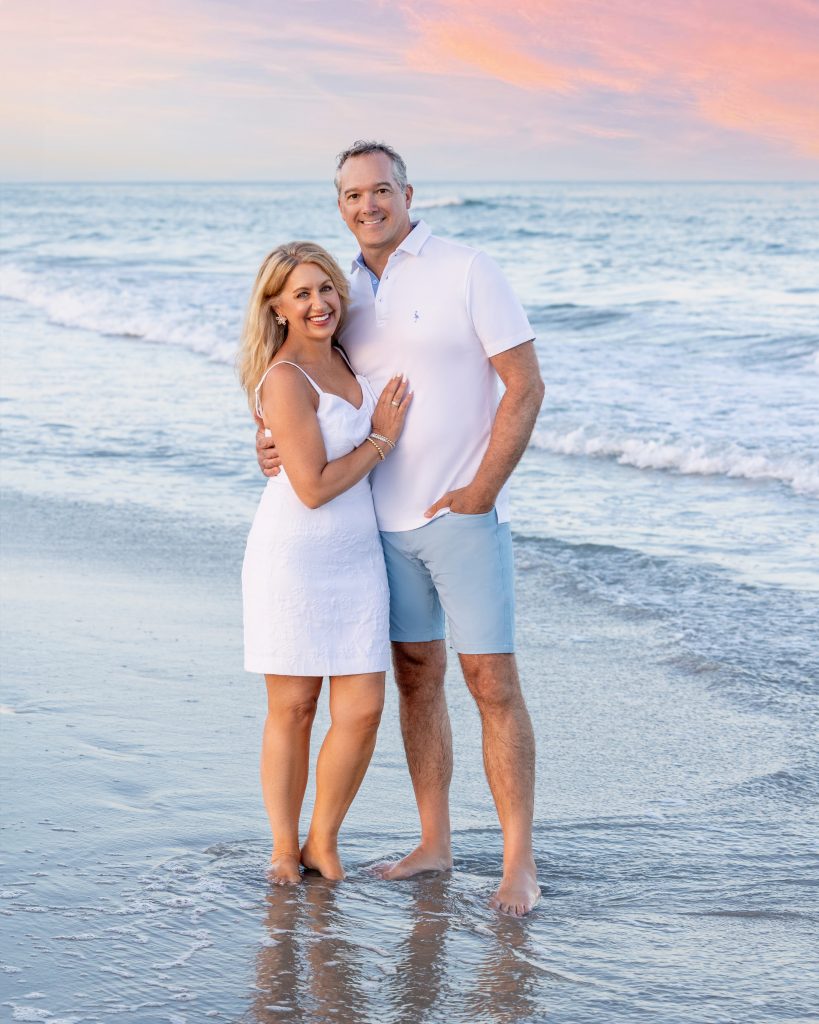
<point>314,585</point>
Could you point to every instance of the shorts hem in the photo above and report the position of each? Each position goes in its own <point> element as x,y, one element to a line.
<point>491,649</point>
<point>416,639</point>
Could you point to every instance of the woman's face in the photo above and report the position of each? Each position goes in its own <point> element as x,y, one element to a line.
<point>310,302</point>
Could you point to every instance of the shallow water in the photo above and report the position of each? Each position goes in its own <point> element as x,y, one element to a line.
<point>674,829</point>
<point>667,610</point>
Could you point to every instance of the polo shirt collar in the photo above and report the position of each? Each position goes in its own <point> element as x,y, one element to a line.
<point>412,244</point>
<point>416,239</point>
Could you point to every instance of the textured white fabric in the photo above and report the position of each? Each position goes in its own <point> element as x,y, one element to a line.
<point>314,585</point>
<point>441,312</point>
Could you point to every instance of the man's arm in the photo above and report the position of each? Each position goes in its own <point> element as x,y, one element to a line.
<point>514,422</point>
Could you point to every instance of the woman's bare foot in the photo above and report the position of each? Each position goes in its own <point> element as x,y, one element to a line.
<point>326,862</point>
<point>284,869</point>
<point>415,863</point>
<point>518,892</point>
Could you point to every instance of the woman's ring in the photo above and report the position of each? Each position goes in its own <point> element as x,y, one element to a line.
<point>396,404</point>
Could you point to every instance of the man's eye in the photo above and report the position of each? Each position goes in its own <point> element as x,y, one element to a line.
<point>353,195</point>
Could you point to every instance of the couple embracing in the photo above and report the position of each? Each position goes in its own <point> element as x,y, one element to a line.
<point>386,511</point>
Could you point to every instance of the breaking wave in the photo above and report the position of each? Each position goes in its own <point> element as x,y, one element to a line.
<point>435,202</point>
<point>801,475</point>
<point>108,308</point>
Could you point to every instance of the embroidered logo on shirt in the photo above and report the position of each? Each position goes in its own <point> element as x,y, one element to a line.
<point>416,316</point>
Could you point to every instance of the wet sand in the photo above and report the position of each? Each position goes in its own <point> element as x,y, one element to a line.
<point>135,840</point>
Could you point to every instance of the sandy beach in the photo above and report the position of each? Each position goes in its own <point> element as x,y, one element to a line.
<point>135,843</point>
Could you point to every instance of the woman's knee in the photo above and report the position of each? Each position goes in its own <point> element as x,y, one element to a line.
<point>361,714</point>
<point>364,721</point>
<point>296,711</point>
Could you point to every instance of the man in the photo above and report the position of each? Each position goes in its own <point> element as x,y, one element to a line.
<point>444,315</point>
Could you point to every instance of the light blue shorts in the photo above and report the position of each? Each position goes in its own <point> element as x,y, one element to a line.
<point>459,566</point>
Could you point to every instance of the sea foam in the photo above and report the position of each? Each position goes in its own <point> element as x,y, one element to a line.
<point>100,307</point>
<point>436,202</point>
<point>801,475</point>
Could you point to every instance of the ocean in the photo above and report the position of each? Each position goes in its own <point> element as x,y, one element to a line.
<point>665,524</point>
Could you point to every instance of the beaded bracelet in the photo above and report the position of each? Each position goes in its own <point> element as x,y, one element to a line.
<point>378,448</point>
<point>381,437</point>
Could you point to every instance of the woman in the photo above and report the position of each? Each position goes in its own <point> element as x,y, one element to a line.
<point>313,580</point>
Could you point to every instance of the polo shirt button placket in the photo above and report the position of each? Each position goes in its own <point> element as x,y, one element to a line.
<point>381,318</point>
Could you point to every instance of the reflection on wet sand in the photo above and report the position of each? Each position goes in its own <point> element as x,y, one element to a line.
<point>317,965</point>
<point>278,962</point>
<point>307,969</point>
<point>509,980</point>
<point>420,979</point>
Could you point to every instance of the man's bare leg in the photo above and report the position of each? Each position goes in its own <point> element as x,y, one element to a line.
<point>425,728</point>
<point>509,760</point>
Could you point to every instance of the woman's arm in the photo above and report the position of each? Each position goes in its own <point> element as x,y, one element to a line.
<point>289,404</point>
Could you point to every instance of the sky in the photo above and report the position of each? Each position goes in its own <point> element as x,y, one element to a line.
<point>464,89</point>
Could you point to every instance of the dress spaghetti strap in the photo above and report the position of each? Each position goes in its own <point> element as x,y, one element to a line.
<point>273,366</point>
<point>340,349</point>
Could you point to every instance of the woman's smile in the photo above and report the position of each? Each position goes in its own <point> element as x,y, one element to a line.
<point>310,303</point>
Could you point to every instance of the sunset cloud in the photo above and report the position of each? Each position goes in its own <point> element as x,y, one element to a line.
<point>751,67</point>
<point>545,88</point>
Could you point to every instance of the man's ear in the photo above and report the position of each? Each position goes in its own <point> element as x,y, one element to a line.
<point>408,193</point>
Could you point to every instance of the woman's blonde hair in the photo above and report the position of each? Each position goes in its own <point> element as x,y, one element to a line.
<point>262,336</point>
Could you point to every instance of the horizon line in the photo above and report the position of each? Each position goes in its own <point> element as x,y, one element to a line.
<point>422,181</point>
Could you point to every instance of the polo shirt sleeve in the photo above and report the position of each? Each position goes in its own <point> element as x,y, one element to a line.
<point>496,313</point>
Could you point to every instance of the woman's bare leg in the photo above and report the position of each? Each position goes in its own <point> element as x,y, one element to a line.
<point>356,703</point>
<point>291,708</point>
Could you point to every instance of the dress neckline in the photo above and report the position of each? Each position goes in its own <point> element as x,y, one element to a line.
<point>321,391</point>
<point>341,398</point>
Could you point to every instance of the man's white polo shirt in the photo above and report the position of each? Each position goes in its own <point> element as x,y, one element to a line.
<point>442,310</point>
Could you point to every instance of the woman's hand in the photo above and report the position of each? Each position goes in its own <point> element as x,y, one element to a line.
<point>391,411</point>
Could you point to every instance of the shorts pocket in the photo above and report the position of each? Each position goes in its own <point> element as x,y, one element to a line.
<point>472,515</point>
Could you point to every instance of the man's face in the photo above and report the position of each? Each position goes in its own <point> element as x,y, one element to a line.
<point>373,206</point>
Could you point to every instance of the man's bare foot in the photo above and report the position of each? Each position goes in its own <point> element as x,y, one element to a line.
<point>284,869</point>
<point>415,863</point>
<point>518,892</point>
<point>326,862</point>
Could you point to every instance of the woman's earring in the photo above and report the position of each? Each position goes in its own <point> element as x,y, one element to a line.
<point>281,320</point>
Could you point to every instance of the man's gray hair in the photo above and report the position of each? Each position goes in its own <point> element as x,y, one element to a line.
<point>363,147</point>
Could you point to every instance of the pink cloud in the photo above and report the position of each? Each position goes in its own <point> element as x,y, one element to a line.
<point>660,86</point>
<point>749,67</point>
